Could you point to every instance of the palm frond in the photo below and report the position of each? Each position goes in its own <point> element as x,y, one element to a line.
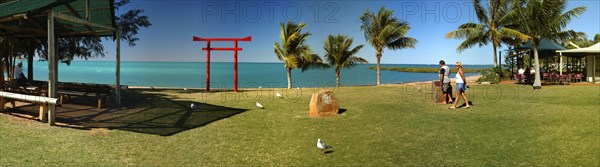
<point>480,12</point>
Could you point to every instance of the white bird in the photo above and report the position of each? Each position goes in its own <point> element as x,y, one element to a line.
<point>193,106</point>
<point>259,87</point>
<point>259,105</point>
<point>419,89</point>
<point>297,87</point>
<point>278,95</point>
<point>185,89</point>
<point>322,146</point>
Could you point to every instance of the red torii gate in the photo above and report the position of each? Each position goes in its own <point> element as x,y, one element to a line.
<point>235,50</point>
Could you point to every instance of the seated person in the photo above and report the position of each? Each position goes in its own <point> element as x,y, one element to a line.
<point>521,78</point>
<point>20,78</point>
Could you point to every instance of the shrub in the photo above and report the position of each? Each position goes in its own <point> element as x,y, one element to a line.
<point>489,75</point>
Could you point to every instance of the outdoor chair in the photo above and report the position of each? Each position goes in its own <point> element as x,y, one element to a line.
<point>578,77</point>
<point>555,78</point>
<point>565,79</point>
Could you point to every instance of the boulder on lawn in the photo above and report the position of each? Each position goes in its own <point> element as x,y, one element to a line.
<point>323,104</point>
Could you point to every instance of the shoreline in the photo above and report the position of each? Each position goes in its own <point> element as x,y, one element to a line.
<point>470,79</point>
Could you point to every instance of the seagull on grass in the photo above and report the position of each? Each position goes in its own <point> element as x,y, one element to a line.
<point>193,106</point>
<point>322,146</point>
<point>259,105</point>
<point>278,95</point>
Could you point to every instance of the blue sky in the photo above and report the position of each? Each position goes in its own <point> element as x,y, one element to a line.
<point>176,21</point>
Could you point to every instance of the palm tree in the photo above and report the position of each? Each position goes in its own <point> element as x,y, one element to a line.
<point>339,54</point>
<point>494,25</point>
<point>546,19</point>
<point>383,30</point>
<point>293,51</point>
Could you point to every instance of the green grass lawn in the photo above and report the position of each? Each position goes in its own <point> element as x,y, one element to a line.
<point>508,125</point>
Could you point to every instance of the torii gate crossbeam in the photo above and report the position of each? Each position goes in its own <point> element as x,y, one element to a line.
<point>235,50</point>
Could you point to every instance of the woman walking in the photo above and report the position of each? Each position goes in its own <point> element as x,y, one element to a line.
<point>461,86</point>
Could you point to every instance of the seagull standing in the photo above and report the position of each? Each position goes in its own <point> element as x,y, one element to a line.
<point>185,89</point>
<point>278,95</point>
<point>193,106</point>
<point>259,105</point>
<point>322,146</point>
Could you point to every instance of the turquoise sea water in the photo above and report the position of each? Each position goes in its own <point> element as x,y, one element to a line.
<point>251,75</point>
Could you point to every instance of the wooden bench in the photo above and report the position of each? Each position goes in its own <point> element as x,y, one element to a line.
<point>100,92</point>
<point>65,90</point>
<point>10,97</point>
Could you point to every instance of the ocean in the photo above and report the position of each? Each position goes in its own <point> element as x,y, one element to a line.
<point>251,75</point>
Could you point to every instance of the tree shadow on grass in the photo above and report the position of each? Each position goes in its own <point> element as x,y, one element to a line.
<point>149,113</point>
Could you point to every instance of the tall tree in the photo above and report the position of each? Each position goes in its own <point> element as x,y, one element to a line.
<point>340,54</point>
<point>128,21</point>
<point>383,30</point>
<point>293,51</point>
<point>546,19</point>
<point>494,26</point>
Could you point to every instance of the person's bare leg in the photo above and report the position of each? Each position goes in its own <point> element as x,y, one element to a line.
<point>455,100</point>
<point>465,97</point>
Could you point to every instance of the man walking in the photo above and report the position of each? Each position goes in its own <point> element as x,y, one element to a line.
<point>445,80</point>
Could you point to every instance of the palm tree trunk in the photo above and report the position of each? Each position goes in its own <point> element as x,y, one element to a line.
<point>378,67</point>
<point>537,83</point>
<point>289,75</point>
<point>337,77</point>
<point>495,56</point>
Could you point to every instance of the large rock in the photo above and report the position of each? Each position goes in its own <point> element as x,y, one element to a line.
<point>323,104</point>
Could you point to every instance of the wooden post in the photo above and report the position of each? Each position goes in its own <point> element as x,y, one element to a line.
<point>118,79</point>
<point>43,108</point>
<point>11,56</point>
<point>208,66</point>
<point>2,103</point>
<point>235,67</point>
<point>87,10</point>
<point>560,64</point>
<point>30,53</point>
<point>51,68</point>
